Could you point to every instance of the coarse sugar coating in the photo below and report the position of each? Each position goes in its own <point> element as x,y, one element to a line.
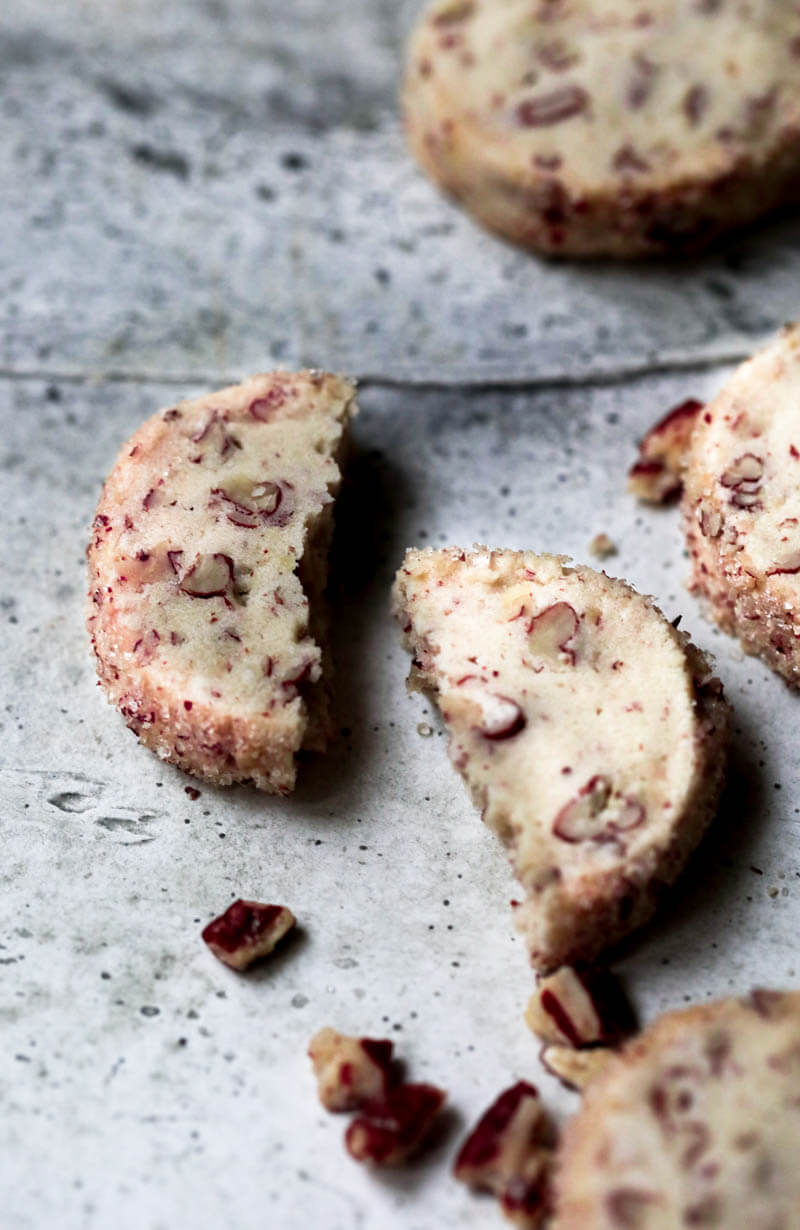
<point>741,505</point>
<point>694,1123</point>
<point>207,566</point>
<point>604,127</point>
<point>590,732</point>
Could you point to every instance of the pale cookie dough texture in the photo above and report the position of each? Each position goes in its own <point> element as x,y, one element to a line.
<point>589,731</point>
<point>207,567</point>
<point>695,1123</point>
<point>741,505</point>
<point>604,127</point>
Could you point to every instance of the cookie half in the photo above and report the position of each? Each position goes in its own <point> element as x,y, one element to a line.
<point>695,1123</point>
<point>589,731</point>
<point>741,505</point>
<point>598,127</point>
<point>207,566</point>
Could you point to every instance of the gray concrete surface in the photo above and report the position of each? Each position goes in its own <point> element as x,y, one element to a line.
<point>189,192</point>
<point>200,188</point>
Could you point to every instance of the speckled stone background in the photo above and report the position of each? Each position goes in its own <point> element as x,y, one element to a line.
<point>191,190</point>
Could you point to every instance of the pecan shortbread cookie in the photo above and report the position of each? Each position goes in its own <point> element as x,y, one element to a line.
<point>590,127</point>
<point>694,1123</point>
<point>589,731</point>
<point>207,566</point>
<point>741,505</point>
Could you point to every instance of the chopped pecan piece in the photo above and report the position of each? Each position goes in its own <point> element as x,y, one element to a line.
<point>657,474</point>
<point>350,1071</point>
<point>579,1009</point>
<point>575,1069</point>
<point>509,1153</point>
<point>391,1130</point>
<point>246,931</point>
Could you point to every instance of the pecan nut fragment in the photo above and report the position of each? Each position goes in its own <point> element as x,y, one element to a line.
<point>579,1009</point>
<point>657,474</point>
<point>544,110</point>
<point>350,1071</point>
<point>575,1069</point>
<point>391,1130</point>
<point>509,1153</point>
<point>246,931</point>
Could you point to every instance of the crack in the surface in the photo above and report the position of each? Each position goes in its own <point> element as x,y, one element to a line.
<point>425,377</point>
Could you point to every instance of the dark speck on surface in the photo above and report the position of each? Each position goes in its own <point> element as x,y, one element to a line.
<point>294,162</point>
<point>161,160</point>
<point>149,1010</point>
<point>128,98</point>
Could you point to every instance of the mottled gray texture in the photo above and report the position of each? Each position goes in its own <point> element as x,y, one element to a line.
<point>110,870</point>
<point>214,187</point>
<point>158,223</point>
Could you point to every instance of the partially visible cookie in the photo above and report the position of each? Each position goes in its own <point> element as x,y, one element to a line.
<point>590,732</point>
<point>694,1123</point>
<point>741,505</point>
<point>207,566</point>
<point>598,127</point>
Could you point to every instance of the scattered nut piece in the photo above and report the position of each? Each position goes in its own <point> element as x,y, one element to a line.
<point>350,1071</point>
<point>509,1153</point>
<point>572,1009</point>
<point>390,1130</point>
<point>602,546</point>
<point>246,931</point>
<point>575,1069</point>
<point>657,474</point>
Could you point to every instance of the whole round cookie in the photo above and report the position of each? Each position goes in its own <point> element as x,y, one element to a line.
<point>606,127</point>
<point>591,733</point>
<point>741,505</point>
<point>694,1123</point>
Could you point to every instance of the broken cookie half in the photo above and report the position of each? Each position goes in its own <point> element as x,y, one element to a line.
<point>207,567</point>
<point>590,732</point>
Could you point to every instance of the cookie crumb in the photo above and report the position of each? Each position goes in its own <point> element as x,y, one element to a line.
<point>602,546</point>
